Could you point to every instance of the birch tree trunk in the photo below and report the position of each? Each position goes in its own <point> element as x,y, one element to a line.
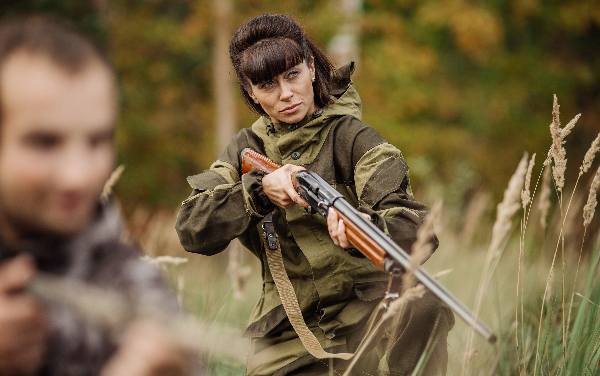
<point>344,47</point>
<point>225,120</point>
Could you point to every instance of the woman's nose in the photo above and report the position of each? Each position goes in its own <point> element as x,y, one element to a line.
<point>286,92</point>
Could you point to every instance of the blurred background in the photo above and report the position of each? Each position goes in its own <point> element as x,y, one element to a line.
<point>463,88</point>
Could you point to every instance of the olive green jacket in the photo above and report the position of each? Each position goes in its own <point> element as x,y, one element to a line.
<point>334,288</point>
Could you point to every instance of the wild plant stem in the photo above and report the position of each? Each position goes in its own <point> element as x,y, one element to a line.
<point>576,274</point>
<point>560,240</point>
<point>517,303</point>
<point>537,348</point>
<point>521,271</point>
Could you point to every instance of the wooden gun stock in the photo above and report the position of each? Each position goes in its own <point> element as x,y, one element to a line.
<point>252,159</point>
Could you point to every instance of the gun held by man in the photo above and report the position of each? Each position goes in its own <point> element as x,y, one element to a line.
<point>363,234</point>
<point>114,311</point>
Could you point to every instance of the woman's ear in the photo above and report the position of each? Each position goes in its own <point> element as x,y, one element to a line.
<point>251,94</point>
<point>311,66</point>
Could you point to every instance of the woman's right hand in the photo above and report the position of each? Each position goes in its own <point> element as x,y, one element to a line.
<point>279,188</point>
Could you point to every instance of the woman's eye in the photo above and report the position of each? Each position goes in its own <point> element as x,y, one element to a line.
<point>293,73</point>
<point>267,84</point>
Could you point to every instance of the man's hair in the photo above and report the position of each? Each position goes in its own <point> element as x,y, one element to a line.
<point>268,45</point>
<point>69,49</point>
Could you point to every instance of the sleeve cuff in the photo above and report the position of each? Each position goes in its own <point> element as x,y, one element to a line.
<point>257,202</point>
<point>376,219</point>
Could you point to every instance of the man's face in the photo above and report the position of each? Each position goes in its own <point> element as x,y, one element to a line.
<point>56,144</point>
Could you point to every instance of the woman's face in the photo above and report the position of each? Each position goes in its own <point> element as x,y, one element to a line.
<point>288,97</point>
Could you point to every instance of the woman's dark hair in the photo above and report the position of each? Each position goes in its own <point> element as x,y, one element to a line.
<point>267,46</point>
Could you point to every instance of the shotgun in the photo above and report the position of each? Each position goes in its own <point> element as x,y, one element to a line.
<point>363,234</point>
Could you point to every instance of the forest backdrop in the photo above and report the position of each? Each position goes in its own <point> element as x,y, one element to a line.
<point>461,87</point>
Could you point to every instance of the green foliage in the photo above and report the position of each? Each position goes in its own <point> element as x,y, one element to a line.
<point>454,82</point>
<point>441,75</point>
<point>583,339</point>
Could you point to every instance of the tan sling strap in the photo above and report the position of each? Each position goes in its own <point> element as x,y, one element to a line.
<point>290,301</point>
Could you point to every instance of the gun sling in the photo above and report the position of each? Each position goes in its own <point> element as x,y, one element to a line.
<point>292,307</point>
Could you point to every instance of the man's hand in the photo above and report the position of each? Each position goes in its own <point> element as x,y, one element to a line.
<point>23,327</point>
<point>279,188</point>
<point>146,350</point>
<point>337,229</point>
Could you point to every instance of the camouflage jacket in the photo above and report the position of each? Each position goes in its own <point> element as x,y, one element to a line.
<point>334,288</point>
<point>98,257</point>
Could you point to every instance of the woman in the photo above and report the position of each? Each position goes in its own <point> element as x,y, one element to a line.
<point>310,119</point>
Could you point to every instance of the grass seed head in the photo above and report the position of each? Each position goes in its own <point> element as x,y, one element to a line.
<point>525,193</point>
<point>508,207</point>
<point>589,156</point>
<point>544,203</point>
<point>110,183</point>
<point>557,151</point>
<point>590,206</point>
<point>423,247</point>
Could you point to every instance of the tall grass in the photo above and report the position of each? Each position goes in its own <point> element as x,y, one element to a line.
<point>532,274</point>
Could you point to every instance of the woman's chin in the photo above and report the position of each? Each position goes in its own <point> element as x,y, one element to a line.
<point>290,118</point>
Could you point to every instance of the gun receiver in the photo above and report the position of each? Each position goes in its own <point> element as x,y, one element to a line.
<point>365,236</point>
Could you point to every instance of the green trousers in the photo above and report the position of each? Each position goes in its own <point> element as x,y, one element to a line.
<point>421,329</point>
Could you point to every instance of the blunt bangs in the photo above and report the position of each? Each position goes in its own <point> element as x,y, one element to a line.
<point>269,58</point>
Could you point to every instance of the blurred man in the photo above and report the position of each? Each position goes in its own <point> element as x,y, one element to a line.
<point>57,115</point>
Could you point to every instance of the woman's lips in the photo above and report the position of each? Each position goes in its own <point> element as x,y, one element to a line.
<point>291,109</point>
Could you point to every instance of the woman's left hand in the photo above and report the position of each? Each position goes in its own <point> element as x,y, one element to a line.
<point>337,229</point>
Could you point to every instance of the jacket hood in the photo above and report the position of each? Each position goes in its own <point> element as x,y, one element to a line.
<point>306,137</point>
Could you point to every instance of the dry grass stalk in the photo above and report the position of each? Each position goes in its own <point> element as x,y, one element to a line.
<point>590,206</point>
<point>442,274</point>
<point>557,151</point>
<point>588,213</point>
<point>180,287</point>
<point>155,232</point>
<point>110,183</point>
<point>478,207</point>
<point>235,270</point>
<point>164,261</point>
<point>422,248</point>
<point>409,295</point>
<point>470,355</point>
<point>526,193</point>
<point>589,156</point>
<point>393,311</point>
<point>544,203</point>
<point>507,208</point>
<point>589,301</point>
